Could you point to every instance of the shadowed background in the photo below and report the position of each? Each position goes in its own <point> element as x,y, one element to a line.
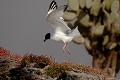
<point>23,26</point>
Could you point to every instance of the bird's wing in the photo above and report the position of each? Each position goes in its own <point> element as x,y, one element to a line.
<point>53,6</point>
<point>54,16</point>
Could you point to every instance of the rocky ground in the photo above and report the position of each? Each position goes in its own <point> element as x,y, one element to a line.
<point>34,67</point>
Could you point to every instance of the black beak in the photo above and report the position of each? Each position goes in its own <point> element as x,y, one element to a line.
<point>44,40</point>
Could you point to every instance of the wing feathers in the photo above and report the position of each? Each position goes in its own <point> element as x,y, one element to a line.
<point>54,17</point>
<point>53,5</point>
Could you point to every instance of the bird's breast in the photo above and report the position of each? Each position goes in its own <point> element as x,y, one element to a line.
<point>61,38</point>
<point>56,38</point>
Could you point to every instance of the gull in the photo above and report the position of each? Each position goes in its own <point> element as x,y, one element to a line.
<point>62,33</point>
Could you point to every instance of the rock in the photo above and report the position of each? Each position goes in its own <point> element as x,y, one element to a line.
<point>10,70</point>
<point>6,64</point>
<point>29,73</point>
<point>71,75</point>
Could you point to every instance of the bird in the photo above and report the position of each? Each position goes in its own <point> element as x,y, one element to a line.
<point>62,33</point>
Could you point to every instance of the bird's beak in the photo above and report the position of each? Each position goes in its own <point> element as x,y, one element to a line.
<point>44,40</point>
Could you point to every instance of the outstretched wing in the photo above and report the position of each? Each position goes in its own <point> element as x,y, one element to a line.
<point>54,16</point>
<point>52,6</point>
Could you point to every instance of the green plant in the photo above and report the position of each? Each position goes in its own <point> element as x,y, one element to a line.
<point>99,23</point>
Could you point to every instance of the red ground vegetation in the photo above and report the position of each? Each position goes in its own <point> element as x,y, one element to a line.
<point>6,53</point>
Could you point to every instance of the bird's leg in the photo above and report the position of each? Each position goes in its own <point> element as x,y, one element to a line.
<point>68,49</point>
<point>65,44</point>
<point>64,47</point>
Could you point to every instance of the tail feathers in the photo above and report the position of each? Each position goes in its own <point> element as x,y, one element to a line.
<point>53,5</point>
<point>75,32</point>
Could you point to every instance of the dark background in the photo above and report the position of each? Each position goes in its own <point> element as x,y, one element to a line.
<point>23,26</point>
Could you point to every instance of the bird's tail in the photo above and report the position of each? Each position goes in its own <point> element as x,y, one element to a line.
<point>75,32</point>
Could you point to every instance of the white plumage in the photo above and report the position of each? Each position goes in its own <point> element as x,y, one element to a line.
<point>62,33</point>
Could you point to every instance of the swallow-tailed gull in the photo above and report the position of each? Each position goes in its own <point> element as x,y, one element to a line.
<point>62,33</point>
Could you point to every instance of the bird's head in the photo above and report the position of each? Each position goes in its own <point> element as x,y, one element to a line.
<point>47,36</point>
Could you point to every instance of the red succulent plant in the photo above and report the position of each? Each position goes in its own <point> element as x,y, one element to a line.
<point>6,53</point>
